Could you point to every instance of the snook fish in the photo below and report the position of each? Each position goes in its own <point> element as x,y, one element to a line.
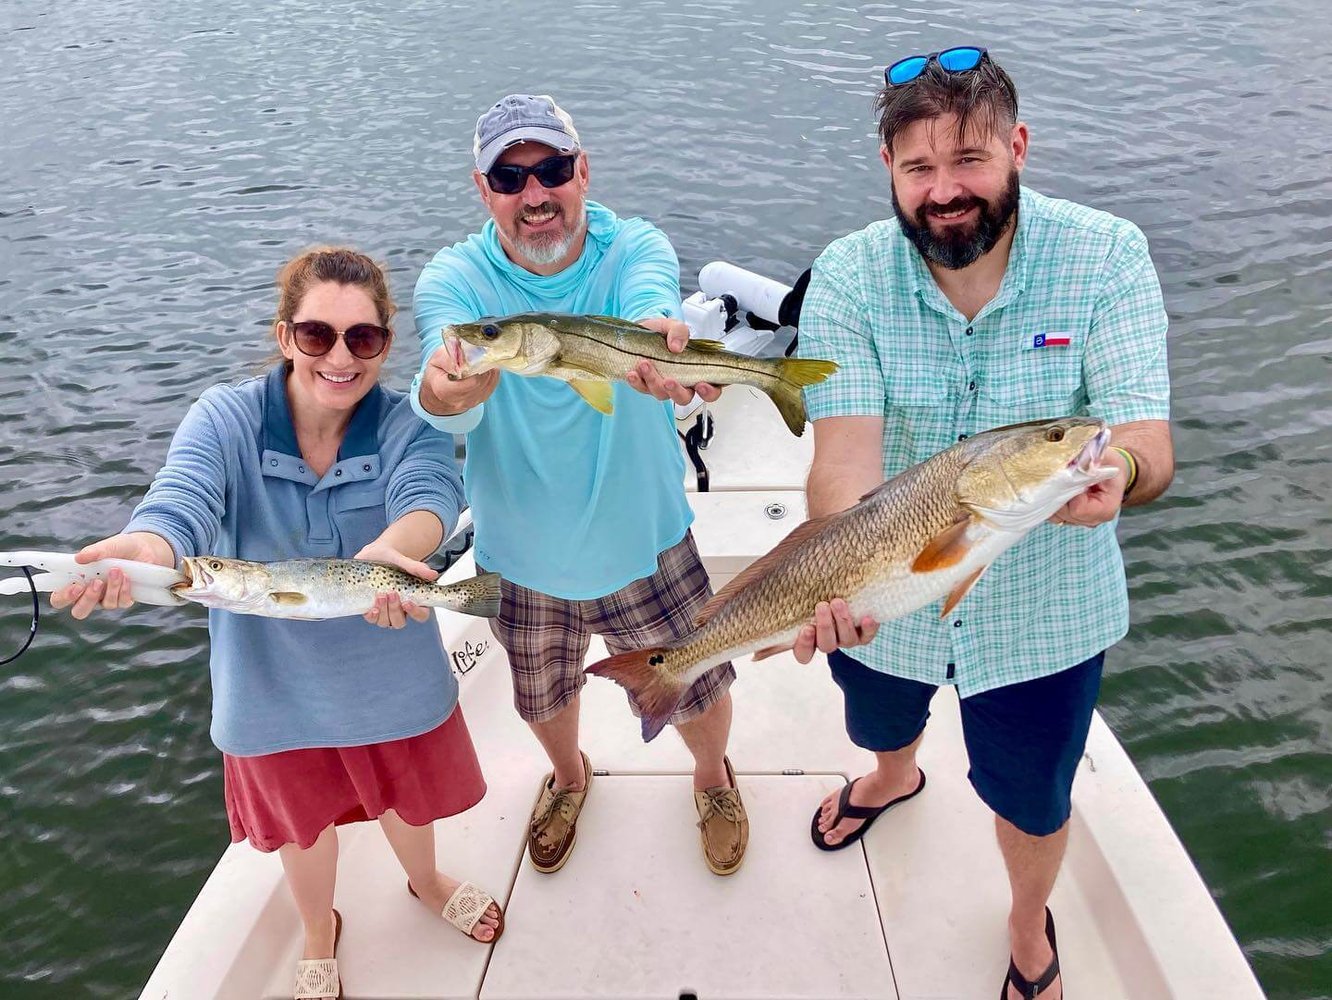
<point>927,533</point>
<point>314,589</point>
<point>591,352</point>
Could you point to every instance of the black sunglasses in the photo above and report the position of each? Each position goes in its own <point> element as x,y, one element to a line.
<point>316,338</point>
<point>510,178</point>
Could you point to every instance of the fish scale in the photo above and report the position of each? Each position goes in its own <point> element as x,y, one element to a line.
<point>929,532</point>
<point>862,557</point>
<point>588,352</point>
<point>316,589</point>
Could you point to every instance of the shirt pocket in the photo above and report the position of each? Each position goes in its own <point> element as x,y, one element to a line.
<point>907,386</point>
<point>358,510</point>
<point>1039,384</point>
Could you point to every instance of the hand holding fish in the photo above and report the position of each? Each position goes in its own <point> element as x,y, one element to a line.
<point>390,610</point>
<point>446,389</point>
<point>646,379</point>
<point>1101,502</point>
<point>833,628</point>
<point>114,592</point>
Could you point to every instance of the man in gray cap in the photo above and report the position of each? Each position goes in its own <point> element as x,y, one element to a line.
<point>584,515</point>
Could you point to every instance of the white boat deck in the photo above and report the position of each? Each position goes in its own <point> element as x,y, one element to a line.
<point>917,912</point>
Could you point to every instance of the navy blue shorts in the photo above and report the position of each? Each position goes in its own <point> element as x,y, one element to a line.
<point>1024,740</point>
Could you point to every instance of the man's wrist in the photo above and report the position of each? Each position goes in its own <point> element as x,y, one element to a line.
<point>433,405</point>
<point>1131,472</point>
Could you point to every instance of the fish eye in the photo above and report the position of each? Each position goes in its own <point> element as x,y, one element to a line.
<point>1054,434</point>
<point>490,330</point>
<point>214,564</point>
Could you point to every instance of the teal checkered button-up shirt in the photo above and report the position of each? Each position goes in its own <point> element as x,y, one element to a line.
<point>1077,327</point>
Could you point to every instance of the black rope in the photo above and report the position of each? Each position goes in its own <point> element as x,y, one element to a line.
<point>36,617</point>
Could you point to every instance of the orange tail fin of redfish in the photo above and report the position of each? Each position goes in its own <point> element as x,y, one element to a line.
<point>655,690</point>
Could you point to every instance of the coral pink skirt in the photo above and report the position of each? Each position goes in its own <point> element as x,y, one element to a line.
<point>291,796</point>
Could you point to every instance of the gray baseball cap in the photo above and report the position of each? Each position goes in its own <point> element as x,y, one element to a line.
<point>522,118</point>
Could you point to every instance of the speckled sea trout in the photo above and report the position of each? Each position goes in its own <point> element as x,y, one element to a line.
<point>927,533</point>
<point>314,589</point>
<point>591,352</point>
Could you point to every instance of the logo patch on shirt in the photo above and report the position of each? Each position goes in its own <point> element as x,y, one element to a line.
<point>1050,340</point>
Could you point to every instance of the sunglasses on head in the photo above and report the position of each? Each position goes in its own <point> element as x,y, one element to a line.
<point>954,60</point>
<point>510,178</point>
<point>316,338</point>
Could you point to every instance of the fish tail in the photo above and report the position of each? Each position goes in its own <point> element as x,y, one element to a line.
<point>805,371</point>
<point>793,374</point>
<point>479,596</point>
<point>485,602</point>
<point>655,690</point>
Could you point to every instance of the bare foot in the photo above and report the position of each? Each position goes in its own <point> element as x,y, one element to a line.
<point>870,791</point>
<point>437,894</point>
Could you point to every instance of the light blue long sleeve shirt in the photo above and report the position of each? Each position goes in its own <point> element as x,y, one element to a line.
<point>234,484</point>
<point>566,501</point>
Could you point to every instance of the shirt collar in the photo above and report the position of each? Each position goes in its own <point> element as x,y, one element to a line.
<point>601,230</point>
<point>362,437</point>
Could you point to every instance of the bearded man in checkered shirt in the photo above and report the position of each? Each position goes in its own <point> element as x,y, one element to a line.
<point>983,303</point>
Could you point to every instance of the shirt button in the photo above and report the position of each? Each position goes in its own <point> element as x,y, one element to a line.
<point>366,468</point>
<point>302,468</point>
<point>969,331</point>
<point>971,386</point>
<point>273,462</point>
<point>958,623</point>
<point>961,437</point>
<point>338,473</point>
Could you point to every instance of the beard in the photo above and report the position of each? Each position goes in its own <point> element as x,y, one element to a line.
<point>961,245</point>
<point>544,249</point>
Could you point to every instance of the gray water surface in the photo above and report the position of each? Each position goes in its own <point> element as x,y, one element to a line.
<point>161,159</point>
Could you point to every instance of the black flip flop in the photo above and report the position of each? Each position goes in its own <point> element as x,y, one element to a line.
<point>1032,990</point>
<point>845,810</point>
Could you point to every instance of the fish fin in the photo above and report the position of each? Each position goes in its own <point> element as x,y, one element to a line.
<point>793,375</point>
<point>948,548</point>
<point>521,364</point>
<point>654,689</point>
<point>758,568</point>
<point>596,394</point>
<point>706,346</point>
<point>790,403</point>
<point>876,491</point>
<point>766,651</point>
<point>960,591</point>
<point>288,598</point>
<point>483,595</point>
<point>804,371</point>
<point>617,325</point>
<point>487,603</point>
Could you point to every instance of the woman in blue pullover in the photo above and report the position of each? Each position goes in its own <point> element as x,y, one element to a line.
<point>316,459</point>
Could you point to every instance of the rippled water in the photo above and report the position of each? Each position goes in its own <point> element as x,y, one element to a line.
<point>160,159</point>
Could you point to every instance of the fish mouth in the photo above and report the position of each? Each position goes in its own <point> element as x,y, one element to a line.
<point>1088,459</point>
<point>192,572</point>
<point>466,356</point>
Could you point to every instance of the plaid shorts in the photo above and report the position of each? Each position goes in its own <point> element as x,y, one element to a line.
<point>547,637</point>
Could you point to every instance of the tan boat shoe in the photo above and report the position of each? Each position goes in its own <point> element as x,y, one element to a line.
<point>723,825</point>
<point>317,978</point>
<point>554,826</point>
